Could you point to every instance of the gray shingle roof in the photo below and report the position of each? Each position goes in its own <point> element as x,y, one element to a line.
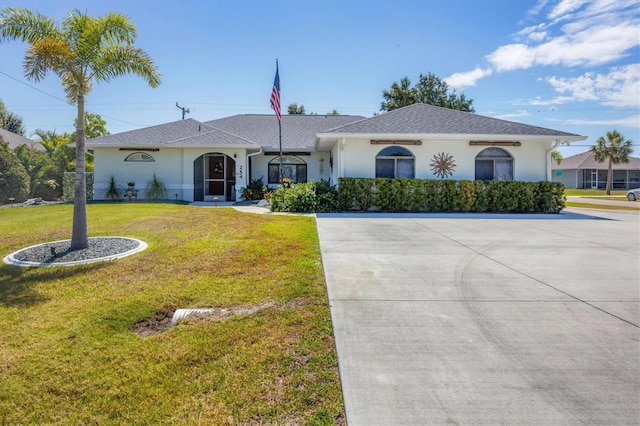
<point>585,160</point>
<point>428,119</point>
<point>181,133</point>
<point>298,131</point>
<point>14,140</point>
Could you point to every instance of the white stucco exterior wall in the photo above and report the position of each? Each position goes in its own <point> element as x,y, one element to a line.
<point>359,157</point>
<point>173,166</point>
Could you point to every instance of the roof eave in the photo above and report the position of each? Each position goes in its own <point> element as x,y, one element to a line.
<point>449,136</point>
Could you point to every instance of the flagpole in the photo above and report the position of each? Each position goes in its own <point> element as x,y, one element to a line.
<point>279,129</point>
<point>275,104</point>
<point>280,142</point>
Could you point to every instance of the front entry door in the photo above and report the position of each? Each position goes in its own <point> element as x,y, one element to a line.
<point>214,177</point>
<point>219,177</point>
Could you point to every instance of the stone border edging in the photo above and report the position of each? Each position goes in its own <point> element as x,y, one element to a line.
<point>11,260</point>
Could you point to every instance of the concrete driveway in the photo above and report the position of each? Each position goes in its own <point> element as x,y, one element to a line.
<point>478,320</point>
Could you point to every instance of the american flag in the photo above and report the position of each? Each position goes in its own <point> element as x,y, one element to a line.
<point>275,94</point>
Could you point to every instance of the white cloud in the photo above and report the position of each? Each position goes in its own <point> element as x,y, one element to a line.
<point>513,115</point>
<point>631,121</point>
<point>619,88</point>
<point>595,45</point>
<point>583,33</point>
<point>565,7</point>
<point>461,80</point>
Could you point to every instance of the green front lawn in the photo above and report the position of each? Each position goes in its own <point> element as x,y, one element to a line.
<point>90,344</point>
<point>570,192</point>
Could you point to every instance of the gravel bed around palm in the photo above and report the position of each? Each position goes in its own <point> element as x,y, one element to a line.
<point>59,252</point>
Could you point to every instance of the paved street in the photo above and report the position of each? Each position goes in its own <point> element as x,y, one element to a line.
<point>486,319</point>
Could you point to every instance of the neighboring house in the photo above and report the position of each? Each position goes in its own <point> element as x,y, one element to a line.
<point>583,171</point>
<point>198,161</point>
<point>15,140</point>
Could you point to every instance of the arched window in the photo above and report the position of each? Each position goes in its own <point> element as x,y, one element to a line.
<point>494,164</point>
<point>140,157</point>
<point>395,162</point>
<point>293,168</point>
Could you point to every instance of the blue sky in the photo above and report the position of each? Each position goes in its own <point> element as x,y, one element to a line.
<point>570,65</point>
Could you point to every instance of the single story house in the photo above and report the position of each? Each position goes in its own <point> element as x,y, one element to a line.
<point>198,161</point>
<point>583,171</point>
<point>15,140</point>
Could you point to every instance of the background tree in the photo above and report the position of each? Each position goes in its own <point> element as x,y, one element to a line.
<point>81,50</point>
<point>615,149</point>
<point>399,95</point>
<point>94,126</point>
<point>14,181</point>
<point>429,89</point>
<point>10,121</point>
<point>60,154</point>
<point>295,109</point>
<point>556,156</point>
<point>41,172</point>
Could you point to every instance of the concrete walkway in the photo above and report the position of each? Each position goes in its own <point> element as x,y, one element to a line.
<point>486,319</point>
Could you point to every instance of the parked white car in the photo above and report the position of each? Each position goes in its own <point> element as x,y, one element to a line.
<point>633,194</point>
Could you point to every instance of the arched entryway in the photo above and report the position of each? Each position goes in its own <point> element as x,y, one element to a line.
<point>214,176</point>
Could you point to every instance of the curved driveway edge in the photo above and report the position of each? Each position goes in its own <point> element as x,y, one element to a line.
<point>488,319</point>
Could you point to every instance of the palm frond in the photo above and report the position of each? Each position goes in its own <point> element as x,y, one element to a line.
<point>17,23</point>
<point>75,84</point>
<point>121,60</point>
<point>48,54</point>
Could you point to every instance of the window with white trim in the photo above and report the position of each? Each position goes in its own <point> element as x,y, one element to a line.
<point>293,168</point>
<point>494,164</point>
<point>395,162</point>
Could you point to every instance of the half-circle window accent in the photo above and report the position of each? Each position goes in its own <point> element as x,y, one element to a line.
<point>494,164</point>
<point>395,162</point>
<point>140,157</point>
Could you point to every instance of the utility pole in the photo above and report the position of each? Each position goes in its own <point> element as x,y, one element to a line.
<point>184,110</point>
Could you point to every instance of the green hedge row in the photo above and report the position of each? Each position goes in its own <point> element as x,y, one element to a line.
<point>425,195</point>
<point>69,185</point>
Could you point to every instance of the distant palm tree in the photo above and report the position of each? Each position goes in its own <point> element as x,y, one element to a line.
<point>615,149</point>
<point>80,50</point>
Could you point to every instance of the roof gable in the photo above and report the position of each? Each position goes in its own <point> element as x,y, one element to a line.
<point>428,119</point>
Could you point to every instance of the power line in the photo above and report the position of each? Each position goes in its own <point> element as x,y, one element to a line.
<point>66,101</point>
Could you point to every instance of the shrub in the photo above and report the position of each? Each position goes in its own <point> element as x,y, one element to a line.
<point>14,180</point>
<point>326,197</point>
<point>299,198</point>
<point>113,192</point>
<point>256,190</point>
<point>156,189</point>
<point>312,197</point>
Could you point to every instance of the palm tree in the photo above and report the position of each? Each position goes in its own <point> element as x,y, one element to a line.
<point>615,149</point>
<point>81,50</point>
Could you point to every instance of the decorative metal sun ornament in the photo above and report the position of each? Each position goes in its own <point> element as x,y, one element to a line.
<point>442,165</point>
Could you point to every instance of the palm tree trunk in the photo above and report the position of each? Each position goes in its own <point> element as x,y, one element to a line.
<point>80,235</point>
<point>609,176</point>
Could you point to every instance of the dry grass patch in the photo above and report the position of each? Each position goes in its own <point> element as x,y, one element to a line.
<point>71,351</point>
